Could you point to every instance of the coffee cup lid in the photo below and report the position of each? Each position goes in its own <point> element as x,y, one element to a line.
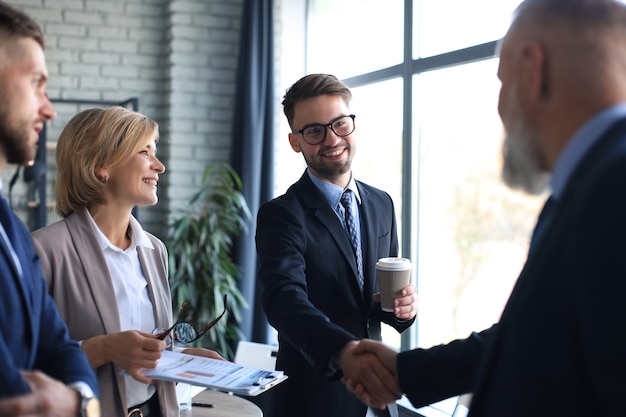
<point>393,263</point>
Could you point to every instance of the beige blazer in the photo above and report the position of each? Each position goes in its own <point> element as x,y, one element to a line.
<point>78,279</point>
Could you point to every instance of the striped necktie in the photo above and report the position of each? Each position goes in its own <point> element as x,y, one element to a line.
<point>355,240</point>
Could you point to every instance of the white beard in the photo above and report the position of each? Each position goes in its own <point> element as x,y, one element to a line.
<point>521,157</point>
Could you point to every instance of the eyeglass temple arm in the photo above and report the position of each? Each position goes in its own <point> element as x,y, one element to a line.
<point>214,322</point>
<point>180,317</point>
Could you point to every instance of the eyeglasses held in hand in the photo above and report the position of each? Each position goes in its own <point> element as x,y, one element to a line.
<point>315,133</point>
<point>185,332</point>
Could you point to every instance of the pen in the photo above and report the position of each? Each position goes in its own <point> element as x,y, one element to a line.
<point>205,405</point>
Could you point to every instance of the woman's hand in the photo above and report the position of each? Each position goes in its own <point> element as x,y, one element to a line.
<point>131,350</point>
<point>203,352</point>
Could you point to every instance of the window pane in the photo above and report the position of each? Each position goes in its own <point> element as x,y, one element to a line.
<point>378,161</point>
<point>473,231</point>
<point>444,26</point>
<point>351,37</point>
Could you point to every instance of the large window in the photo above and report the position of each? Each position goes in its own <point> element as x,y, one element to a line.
<point>444,26</point>
<point>352,37</point>
<point>378,159</point>
<point>472,231</point>
<point>425,89</point>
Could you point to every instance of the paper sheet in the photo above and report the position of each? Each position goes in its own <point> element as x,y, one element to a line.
<point>214,373</point>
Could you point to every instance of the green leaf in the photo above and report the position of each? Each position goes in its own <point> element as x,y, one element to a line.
<point>199,242</point>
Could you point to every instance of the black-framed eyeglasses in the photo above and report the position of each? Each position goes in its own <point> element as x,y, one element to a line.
<point>185,332</point>
<point>315,133</point>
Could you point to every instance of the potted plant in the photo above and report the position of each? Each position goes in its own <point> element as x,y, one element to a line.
<point>200,264</point>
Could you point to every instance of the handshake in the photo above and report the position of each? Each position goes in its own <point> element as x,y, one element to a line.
<point>370,372</point>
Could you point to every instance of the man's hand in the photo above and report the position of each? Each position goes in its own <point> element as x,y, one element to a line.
<point>48,398</point>
<point>404,306</point>
<point>364,369</point>
<point>370,394</point>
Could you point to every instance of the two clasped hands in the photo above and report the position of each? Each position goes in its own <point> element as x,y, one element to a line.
<point>369,367</point>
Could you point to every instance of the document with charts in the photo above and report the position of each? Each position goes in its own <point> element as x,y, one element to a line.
<point>214,373</point>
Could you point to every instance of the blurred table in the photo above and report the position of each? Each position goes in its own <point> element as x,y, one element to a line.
<point>224,405</point>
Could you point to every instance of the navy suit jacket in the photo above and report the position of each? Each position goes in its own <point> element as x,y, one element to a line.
<point>559,346</point>
<point>307,272</point>
<point>32,334</point>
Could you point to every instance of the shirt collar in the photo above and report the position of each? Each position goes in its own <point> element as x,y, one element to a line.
<point>334,192</point>
<point>137,235</point>
<point>583,140</point>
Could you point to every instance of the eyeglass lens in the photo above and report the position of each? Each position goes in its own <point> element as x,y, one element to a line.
<point>185,333</point>
<point>316,133</point>
<point>183,313</point>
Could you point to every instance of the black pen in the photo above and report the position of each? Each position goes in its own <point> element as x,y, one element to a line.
<point>205,405</point>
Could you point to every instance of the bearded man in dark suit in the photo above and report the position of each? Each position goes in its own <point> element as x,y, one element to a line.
<point>42,371</point>
<point>558,348</point>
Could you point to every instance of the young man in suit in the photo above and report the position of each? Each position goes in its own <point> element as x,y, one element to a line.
<point>42,371</point>
<point>317,288</point>
<point>558,348</point>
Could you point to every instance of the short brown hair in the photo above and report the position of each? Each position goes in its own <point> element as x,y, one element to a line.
<point>313,85</point>
<point>16,24</point>
<point>93,139</point>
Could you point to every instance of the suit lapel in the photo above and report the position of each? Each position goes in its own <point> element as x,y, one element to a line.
<point>159,304</point>
<point>369,243</point>
<point>313,199</point>
<point>95,268</point>
<point>7,255</point>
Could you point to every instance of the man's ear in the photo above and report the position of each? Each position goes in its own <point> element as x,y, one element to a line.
<point>535,72</point>
<point>294,143</point>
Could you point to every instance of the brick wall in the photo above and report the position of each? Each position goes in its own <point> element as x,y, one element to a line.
<point>177,57</point>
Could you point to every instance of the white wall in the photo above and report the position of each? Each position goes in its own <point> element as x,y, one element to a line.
<point>178,57</point>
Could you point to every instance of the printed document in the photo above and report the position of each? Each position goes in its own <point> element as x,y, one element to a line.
<point>214,373</point>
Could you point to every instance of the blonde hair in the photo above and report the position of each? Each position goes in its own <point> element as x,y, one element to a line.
<point>93,139</point>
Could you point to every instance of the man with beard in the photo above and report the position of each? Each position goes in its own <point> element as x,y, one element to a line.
<point>317,288</point>
<point>42,371</point>
<point>558,348</point>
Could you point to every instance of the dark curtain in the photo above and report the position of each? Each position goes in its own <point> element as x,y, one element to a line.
<point>252,154</point>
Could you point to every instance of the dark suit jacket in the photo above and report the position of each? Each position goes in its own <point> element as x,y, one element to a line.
<point>32,334</point>
<point>559,347</point>
<point>307,272</point>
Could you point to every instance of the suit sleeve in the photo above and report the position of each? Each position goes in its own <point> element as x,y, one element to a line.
<point>430,375</point>
<point>281,242</point>
<point>57,354</point>
<point>11,383</point>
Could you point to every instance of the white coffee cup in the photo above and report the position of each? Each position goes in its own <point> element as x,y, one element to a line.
<point>393,274</point>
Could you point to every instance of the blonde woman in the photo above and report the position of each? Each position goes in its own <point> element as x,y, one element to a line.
<point>107,275</point>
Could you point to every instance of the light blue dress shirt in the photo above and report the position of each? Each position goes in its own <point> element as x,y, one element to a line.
<point>333,195</point>
<point>583,140</point>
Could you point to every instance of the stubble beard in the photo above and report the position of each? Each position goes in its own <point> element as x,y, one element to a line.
<point>14,141</point>
<point>330,171</point>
